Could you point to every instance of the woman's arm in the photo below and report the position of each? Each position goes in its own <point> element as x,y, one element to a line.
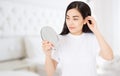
<point>105,50</point>
<point>50,64</point>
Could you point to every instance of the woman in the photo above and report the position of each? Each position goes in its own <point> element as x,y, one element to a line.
<point>80,43</point>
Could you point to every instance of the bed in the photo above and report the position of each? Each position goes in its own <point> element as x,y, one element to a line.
<point>17,73</point>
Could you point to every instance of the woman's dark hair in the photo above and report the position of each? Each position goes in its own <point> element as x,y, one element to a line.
<point>85,11</point>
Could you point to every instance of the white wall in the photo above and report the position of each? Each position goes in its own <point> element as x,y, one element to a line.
<point>103,12</point>
<point>116,25</point>
<point>108,16</point>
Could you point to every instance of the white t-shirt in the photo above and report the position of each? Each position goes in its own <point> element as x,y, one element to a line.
<point>77,54</point>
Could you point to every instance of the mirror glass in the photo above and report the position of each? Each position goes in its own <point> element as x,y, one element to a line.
<point>49,34</point>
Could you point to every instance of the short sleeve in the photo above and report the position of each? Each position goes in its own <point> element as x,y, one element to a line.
<point>55,55</point>
<point>96,45</point>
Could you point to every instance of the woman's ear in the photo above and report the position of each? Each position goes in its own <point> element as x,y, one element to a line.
<point>84,22</point>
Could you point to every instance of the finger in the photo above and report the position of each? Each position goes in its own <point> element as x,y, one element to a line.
<point>88,23</point>
<point>46,48</point>
<point>50,44</point>
<point>47,45</point>
<point>90,18</point>
<point>45,42</point>
<point>93,21</point>
<point>87,18</point>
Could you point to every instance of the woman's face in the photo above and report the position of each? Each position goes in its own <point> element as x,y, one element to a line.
<point>74,21</point>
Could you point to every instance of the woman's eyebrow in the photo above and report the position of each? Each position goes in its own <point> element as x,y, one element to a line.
<point>76,16</point>
<point>73,16</point>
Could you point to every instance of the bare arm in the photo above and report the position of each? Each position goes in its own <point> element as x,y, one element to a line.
<point>105,50</point>
<point>50,64</point>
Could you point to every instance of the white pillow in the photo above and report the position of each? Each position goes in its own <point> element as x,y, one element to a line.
<point>34,49</point>
<point>11,48</point>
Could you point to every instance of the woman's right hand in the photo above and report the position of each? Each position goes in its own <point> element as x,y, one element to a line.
<point>47,47</point>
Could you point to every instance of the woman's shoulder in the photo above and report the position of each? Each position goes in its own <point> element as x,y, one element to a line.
<point>89,36</point>
<point>62,36</point>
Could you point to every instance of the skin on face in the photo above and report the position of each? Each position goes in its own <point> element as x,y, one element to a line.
<point>74,21</point>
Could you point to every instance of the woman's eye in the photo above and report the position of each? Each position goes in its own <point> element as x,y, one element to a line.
<point>75,19</point>
<point>67,18</point>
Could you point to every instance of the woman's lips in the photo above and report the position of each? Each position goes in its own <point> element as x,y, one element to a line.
<point>71,28</point>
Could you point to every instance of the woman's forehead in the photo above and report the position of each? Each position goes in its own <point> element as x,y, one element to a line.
<point>73,13</point>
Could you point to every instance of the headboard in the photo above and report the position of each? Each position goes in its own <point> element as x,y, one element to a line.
<point>27,19</point>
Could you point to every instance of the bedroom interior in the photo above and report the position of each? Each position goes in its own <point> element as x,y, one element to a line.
<point>20,42</point>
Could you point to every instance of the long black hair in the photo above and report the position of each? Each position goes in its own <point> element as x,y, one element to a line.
<point>85,11</point>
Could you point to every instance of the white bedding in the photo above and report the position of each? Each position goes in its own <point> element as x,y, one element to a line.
<point>17,73</point>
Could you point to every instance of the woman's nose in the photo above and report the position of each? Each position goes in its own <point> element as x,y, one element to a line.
<point>70,22</point>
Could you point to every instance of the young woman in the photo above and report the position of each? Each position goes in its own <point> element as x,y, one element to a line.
<point>80,43</point>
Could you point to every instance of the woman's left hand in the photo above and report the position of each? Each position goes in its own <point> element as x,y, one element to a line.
<point>91,23</point>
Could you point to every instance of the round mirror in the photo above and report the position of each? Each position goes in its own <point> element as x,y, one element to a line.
<point>49,34</point>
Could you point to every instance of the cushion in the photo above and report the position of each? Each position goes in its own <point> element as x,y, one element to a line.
<point>15,65</point>
<point>11,48</point>
<point>33,48</point>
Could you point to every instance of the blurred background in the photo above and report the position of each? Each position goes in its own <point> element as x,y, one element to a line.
<point>20,41</point>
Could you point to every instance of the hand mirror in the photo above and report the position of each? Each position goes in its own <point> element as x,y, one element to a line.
<point>49,34</point>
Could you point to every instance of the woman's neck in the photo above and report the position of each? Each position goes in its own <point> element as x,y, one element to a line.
<point>76,33</point>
